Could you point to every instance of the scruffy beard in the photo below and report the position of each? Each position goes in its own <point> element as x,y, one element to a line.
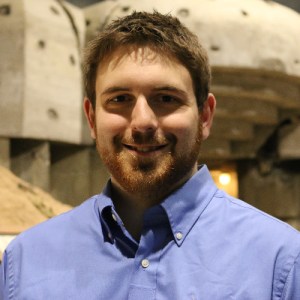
<point>146,177</point>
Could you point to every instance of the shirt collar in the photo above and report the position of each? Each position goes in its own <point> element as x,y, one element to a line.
<point>185,205</point>
<point>105,207</point>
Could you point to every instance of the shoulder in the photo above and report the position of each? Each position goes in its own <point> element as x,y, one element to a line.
<point>54,245</point>
<point>60,227</point>
<point>248,234</point>
<point>268,238</point>
<point>258,231</point>
<point>248,216</point>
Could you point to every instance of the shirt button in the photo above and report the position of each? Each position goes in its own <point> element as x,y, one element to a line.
<point>179,235</point>
<point>145,263</point>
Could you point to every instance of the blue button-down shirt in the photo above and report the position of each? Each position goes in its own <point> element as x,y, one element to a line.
<point>199,243</point>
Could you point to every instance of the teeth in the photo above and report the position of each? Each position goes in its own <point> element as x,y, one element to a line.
<point>144,149</point>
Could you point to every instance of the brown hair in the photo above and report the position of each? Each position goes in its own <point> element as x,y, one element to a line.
<point>163,33</point>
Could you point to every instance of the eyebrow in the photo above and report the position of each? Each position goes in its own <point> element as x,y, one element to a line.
<point>170,89</point>
<point>115,89</point>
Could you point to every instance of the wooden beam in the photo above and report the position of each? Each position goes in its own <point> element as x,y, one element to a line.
<point>215,149</point>
<point>252,110</point>
<point>235,130</point>
<point>289,142</point>
<point>248,149</point>
<point>275,87</point>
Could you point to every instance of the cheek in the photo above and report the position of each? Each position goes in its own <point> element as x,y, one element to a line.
<point>109,125</point>
<point>185,128</point>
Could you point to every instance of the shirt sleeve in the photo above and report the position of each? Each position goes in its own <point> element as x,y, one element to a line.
<point>4,279</point>
<point>292,287</point>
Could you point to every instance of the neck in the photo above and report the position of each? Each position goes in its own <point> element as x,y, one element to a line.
<point>132,206</point>
<point>131,209</point>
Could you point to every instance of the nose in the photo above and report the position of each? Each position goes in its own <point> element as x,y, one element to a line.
<point>143,117</point>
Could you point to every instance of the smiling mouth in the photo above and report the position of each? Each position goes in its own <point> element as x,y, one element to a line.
<point>145,149</point>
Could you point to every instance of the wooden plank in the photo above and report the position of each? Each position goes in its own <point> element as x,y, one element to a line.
<point>236,130</point>
<point>252,110</point>
<point>249,149</point>
<point>275,87</point>
<point>289,142</point>
<point>215,149</point>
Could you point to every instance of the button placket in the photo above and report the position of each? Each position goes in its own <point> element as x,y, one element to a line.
<point>144,278</point>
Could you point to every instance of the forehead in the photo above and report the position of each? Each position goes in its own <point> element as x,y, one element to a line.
<point>142,68</point>
<point>142,55</point>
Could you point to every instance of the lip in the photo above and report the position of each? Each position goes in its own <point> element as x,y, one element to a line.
<point>145,149</point>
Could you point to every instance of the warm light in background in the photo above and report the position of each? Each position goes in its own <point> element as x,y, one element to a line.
<point>226,179</point>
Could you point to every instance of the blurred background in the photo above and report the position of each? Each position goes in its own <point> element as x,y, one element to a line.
<point>48,162</point>
<point>294,4</point>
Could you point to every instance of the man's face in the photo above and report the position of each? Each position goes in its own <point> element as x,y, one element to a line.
<point>146,122</point>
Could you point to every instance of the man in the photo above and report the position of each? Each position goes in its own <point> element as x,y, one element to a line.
<point>161,229</point>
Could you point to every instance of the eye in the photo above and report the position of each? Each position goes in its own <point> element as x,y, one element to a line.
<point>119,99</point>
<point>167,99</point>
<point>118,102</point>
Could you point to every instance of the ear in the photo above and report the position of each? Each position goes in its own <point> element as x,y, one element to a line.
<point>207,115</point>
<point>90,116</point>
